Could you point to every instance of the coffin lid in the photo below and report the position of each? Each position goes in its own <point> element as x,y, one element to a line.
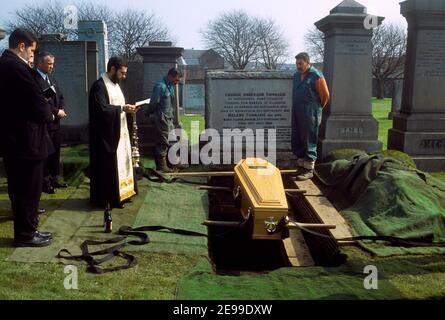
<point>263,183</point>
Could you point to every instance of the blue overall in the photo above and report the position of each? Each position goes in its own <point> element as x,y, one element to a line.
<point>163,96</point>
<point>306,115</point>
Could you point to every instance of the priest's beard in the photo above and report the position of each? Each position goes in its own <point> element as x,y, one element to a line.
<point>115,79</point>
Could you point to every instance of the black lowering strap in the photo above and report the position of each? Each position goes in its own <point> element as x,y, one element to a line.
<point>398,242</point>
<point>394,241</point>
<point>156,176</point>
<point>109,253</point>
<point>116,250</point>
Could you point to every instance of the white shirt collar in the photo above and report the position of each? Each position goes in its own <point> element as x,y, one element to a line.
<point>23,60</point>
<point>42,74</point>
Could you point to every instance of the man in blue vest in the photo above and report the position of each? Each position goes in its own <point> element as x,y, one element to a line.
<point>163,98</point>
<point>310,96</point>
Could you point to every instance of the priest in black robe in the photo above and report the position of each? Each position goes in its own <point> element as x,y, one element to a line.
<point>112,178</point>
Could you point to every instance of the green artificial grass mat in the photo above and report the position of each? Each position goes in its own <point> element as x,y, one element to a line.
<point>176,205</point>
<point>73,223</point>
<point>409,277</point>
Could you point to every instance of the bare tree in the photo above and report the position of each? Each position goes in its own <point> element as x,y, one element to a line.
<point>127,29</point>
<point>40,19</point>
<point>388,54</point>
<point>49,17</point>
<point>133,29</point>
<point>273,47</point>
<point>233,35</point>
<point>314,42</point>
<point>94,11</point>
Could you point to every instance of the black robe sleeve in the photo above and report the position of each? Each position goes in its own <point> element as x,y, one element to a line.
<point>104,118</point>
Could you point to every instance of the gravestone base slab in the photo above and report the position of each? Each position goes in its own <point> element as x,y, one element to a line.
<point>358,132</point>
<point>72,135</point>
<point>326,145</point>
<point>430,164</point>
<point>147,141</point>
<point>426,148</point>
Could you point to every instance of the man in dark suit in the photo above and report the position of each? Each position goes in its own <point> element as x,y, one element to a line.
<point>45,66</point>
<point>24,138</point>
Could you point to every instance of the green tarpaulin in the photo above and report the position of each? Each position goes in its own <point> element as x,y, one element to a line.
<point>388,199</point>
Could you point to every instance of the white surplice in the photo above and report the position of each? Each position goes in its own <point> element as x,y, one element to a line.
<point>124,158</point>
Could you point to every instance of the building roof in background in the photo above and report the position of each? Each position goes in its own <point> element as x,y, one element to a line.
<point>192,56</point>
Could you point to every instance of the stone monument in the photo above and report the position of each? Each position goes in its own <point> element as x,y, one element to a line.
<point>96,31</point>
<point>419,129</point>
<point>239,100</point>
<point>348,121</point>
<point>158,58</point>
<point>194,98</point>
<point>75,71</point>
<point>396,103</point>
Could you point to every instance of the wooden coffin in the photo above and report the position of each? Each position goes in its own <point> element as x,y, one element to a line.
<point>260,186</point>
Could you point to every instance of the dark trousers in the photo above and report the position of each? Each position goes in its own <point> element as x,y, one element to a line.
<point>25,179</point>
<point>163,126</point>
<point>52,166</point>
<point>306,120</point>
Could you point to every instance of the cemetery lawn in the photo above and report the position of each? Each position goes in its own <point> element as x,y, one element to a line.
<point>187,125</point>
<point>157,275</point>
<point>380,110</point>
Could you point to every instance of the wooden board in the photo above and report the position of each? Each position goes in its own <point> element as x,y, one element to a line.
<point>297,250</point>
<point>310,187</point>
<point>325,210</point>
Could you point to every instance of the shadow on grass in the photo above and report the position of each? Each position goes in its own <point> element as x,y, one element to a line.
<point>6,243</point>
<point>6,218</point>
<point>67,205</point>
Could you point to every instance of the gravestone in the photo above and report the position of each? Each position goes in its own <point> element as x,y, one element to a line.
<point>132,85</point>
<point>75,71</point>
<point>96,31</point>
<point>194,98</point>
<point>419,129</point>
<point>251,100</point>
<point>396,104</point>
<point>158,58</point>
<point>348,121</point>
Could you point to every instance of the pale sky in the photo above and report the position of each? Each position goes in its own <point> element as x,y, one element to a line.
<point>185,18</point>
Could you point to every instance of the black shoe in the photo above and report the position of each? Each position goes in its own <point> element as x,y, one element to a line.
<point>36,241</point>
<point>120,206</point>
<point>47,235</point>
<point>60,185</point>
<point>49,190</point>
<point>41,211</point>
